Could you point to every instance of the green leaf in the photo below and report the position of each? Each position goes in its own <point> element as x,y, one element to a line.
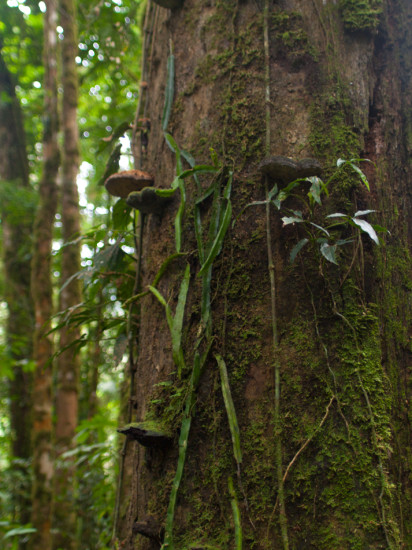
<point>230,409</point>
<point>315,189</point>
<point>297,248</point>
<point>218,242</point>
<point>363,212</point>
<point>341,162</point>
<point>366,227</point>
<point>336,215</point>
<point>121,215</point>
<point>177,327</point>
<point>175,148</point>
<point>323,229</point>
<point>19,531</point>
<point>169,92</point>
<point>179,216</point>
<point>160,298</point>
<point>164,266</point>
<point>361,175</point>
<point>236,515</point>
<point>328,251</point>
<point>291,219</point>
<point>165,192</point>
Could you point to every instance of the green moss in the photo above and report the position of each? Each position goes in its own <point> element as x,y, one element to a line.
<point>361,15</point>
<point>292,40</point>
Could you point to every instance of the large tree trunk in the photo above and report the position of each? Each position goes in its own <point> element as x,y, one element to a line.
<point>17,223</point>
<point>316,353</point>
<point>64,517</point>
<point>43,296</point>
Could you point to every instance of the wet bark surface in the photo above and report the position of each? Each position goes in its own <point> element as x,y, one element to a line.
<point>335,91</point>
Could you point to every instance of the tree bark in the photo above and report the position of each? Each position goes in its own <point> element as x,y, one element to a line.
<point>316,354</point>
<point>43,295</point>
<point>17,220</point>
<point>64,517</point>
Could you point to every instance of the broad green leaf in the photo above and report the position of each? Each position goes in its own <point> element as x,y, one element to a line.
<point>367,228</point>
<point>218,242</point>
<point>297,248</point>
<point>315,189</point>
<point>230,409</point>
<point>329,252</point>
<point>291,219</point>
<point>121,215</point>
<point>169,92</point>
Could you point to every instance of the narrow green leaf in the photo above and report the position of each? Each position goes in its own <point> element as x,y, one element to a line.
<point>175,148</point>
<point>19,531</point>
<point>230,409</point>
<point>164,266</point>
<point>341,162</point>
<point>361,175</point>
<point>177,326</point>
<point>336,215</point>
<point>179,216</point>
<point>199,237</point>
<point>236,515</point>
<point>363,212</point>
<point>199,169</point>
<point>366,227</point>
<point>328,251</point>
<point>169,92</point>
<point>160,298</point>
<point>218,242</point>
<point>323,229</point>
<point>297,248</point>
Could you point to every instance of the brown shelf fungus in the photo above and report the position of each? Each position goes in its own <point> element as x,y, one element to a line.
<point>148,201</point>
<point>147,434</point>
<point>285,170</point>
<point>123,183</point>
<point>150,528</point>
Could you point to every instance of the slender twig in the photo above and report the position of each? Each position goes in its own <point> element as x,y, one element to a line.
<point>285,475</point>
<point>271,267</point>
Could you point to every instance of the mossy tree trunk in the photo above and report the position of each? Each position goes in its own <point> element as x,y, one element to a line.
<point>64,515</point>
<point>316,353</point>
<point>17,220</point>
<point>43,458</point>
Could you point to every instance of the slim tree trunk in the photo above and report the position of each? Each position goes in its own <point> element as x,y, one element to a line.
<point>42,295</point>
<point>64,523</point>
<point>17,224</point>
<point>315,354</point>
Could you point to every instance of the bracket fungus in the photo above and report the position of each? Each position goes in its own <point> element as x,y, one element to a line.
<point>147,434</point>
<point>286,170</point>
<point>123,183</point>
<point>148,201</point>
<point>149,528</point>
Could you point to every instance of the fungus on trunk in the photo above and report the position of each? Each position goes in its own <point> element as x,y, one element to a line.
<point>123,183</point>
<point>284,169</point>
<point>148,434</point>
<point>148,201</point>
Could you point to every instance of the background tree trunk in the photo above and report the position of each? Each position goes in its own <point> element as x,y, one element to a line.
<point>323,407</point>
<point>17,220</point>
<point>64,520</point>
<point>42,296</point>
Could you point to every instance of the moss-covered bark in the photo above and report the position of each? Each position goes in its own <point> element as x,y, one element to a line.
<point>343,372</point>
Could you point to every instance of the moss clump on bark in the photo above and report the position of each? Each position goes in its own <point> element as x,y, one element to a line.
<point>361,15</point>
